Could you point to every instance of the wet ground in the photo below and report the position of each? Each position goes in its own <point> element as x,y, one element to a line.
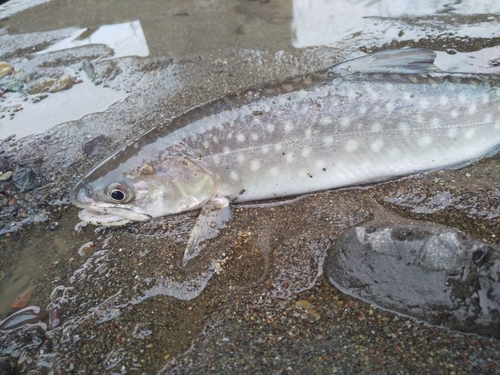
<point>255,301</point>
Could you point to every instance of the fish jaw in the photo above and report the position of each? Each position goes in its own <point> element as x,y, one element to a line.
<point>105,215</point>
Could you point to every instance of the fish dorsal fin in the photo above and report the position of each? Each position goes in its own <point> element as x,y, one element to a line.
<point>406,61</point>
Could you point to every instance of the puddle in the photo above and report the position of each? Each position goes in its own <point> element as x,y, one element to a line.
<point>57,108</point>
<point>15,6</point>
<point>125,39</point>
<point>354,23</point>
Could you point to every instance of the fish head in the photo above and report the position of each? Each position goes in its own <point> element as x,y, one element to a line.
<point>140,192</point>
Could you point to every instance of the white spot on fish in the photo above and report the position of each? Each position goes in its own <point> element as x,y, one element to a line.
<point>469,133</point>
<point>373,94</point>
<point>351,145</point>
<point>486,99</point>
<point>254,165</point>
<point>424,141</point>
<point>394,152</point>
<point>308,133</point>
<point>404,128</point>
<point>488,118</point>
<point>472,108</point>
<point>351,94</point>
<point>302,93</point>
<point>377,127</point>
<point>270,128</point>
<point>255,136</point>
<point>278,146</point>
<point>328,141</point>
<point>306,151</point>
<point>424,103</point>
<point>288,127</point>
<point>443,100</point>
<point>454,114</point>
<point>289,157</point>
<point>377,145</point>
<point>320,164</point>
<point>265,149</point>
<point>240,137</point>
<point>234,176</point>
<point>389,107</point>
<point>206,144</point>
<point>434,123</point>
<point>452,132</point>
<point>388,87</point>
<point>362,110</point>
<point>461,98</point>
<point>215,139</point>
<point>345,122</point>
<point>216,159</point>
<point>240,158</point>
<point>326,121</point>
<point>229,135</point>
<point>274,171</point>
<point>226,150</point>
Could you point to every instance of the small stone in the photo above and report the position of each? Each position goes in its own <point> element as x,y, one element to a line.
<point>14,86</point>
<point>42,85</point>
<point>95,146</point>
<point>25,179</point>
<point>63,83</point>
<point>5,68</point>
<point>89,69</point>
<point>39,98</point>
<point>6,176</point>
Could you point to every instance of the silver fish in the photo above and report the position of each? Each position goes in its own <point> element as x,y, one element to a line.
<point>374,118</point>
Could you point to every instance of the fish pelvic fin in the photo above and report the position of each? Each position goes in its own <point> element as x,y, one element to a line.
<point>405,61</point>
<point>214,216</point>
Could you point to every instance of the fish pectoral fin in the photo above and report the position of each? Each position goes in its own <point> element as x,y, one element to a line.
<point>213,217</point>
<point>406,61</point>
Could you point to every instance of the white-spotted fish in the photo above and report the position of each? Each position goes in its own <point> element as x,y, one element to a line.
<point>370,119</point>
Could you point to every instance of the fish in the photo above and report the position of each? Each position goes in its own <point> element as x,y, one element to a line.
<point>378,117</point>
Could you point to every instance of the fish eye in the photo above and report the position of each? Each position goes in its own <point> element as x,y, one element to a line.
<point>120,193</point>
<point>117,195</point>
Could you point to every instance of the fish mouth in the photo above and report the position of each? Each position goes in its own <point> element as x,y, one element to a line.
<point>104,214</point>
<point>99,218</point>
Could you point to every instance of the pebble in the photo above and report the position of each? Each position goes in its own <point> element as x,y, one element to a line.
<point>5,68</point>
<point>63,83</point>
<point>95,146</point>
<point>428,272</point>
<point>25,179</point>
<point>39,98</point>
<point>42,85</point>
<point>14,86</point>
<point>6,176</point>
<point>23,299</point>
<point>89,69</point>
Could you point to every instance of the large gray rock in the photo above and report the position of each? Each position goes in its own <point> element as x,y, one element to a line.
<point>431,273</point>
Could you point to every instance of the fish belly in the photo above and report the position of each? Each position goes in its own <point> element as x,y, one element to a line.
<point>349,131</point>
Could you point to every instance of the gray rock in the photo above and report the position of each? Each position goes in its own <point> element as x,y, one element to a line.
<point>95,146</point>
<point>431,273</point>
<point>25,179</point>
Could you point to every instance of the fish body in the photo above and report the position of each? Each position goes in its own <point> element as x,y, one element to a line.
<point>371,119</point>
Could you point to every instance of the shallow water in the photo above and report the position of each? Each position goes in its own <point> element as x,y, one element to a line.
<point>127,303</point>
